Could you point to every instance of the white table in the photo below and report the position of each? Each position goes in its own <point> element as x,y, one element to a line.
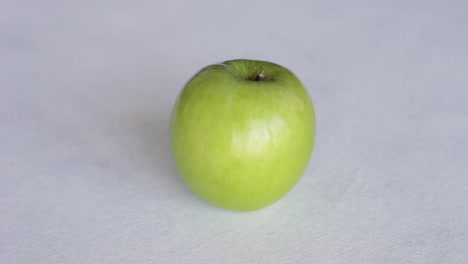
<point>86,90</point>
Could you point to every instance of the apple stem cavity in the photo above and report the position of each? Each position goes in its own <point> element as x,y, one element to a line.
<point>260,75</point>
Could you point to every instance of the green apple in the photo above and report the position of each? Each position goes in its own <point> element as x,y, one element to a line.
<point>242,133</point>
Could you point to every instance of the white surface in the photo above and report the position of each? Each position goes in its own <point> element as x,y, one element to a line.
<point>86,89</point>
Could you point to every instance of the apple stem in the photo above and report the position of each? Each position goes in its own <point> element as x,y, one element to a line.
<point>260,75</point>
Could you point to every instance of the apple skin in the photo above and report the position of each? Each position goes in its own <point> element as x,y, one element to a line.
<point>242,133</point>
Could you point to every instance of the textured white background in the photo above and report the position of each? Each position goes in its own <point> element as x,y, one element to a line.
<point>86,89</point>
